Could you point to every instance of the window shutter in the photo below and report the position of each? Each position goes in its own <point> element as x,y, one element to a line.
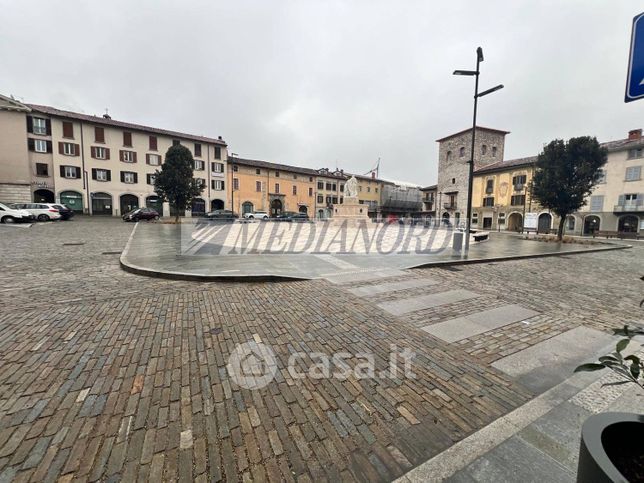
<point>30,124</point>
<point>127,139</point>
<point>147,158</point>
<point>61,149</point>
<point>93,151</point>
<point>153,143</point>
<point>77,149</point>
<point>31,144</point>
<point>49,146</point>
<point>109,175</point>
<point>62,172</point>
<point>99,134</point>
<point>68,129</point>
<point>48,127</point>
<point>122,176</point>
<point>620,200</point>
<point>78,173</point>
<point>107,153</point>
<point>120,155</point>
<point>134,157</point>
<point>93,173</point>
<point>136,177</point>
<point>640,199</point>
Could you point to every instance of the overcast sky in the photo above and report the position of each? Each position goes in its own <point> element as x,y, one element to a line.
<point>320,83</point>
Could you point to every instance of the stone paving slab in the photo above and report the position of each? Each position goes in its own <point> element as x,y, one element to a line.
<point>547,363</point>
<point>388,287</point>
<point>404,306</point>
<point>464,327</point>
<point>362,276</point>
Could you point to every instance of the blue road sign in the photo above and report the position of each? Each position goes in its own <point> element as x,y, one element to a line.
<point>635,77</point>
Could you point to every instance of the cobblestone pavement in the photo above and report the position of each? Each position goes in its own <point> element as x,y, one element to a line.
<point>106,375</point>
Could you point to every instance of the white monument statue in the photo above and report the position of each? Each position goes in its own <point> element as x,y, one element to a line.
<point>351,188</point>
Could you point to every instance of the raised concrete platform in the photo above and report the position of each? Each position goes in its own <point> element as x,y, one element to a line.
<point>156,250</point>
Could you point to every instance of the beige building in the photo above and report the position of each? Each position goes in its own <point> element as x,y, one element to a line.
<point>617,203</point>
<point>15,174</point>
<point>329,191</point>
<point>98,165</point>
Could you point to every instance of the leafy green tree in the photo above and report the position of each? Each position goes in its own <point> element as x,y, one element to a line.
<point>565,175</point>
<point>174,183</point>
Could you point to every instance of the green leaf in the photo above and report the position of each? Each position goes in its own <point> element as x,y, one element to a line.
<point>589,367</point>
<point>635,370</point>
<point>621,345</point>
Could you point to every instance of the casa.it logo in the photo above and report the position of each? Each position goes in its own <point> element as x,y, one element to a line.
<point>252,365</point>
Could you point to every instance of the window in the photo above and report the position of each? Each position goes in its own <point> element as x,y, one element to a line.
<point>199,165</point>
<point>448,156</point>
<point>570,223</point>
<point>310,179</point>
<point>68,130</point>
<point>69,149</point>
<point>70,172</point>
<point>258,171</point>
<point>236,183</point>
<point>39,126</point>
<point>128,177</point>
<point>294,176</point>
<point>153,159</point>
<point>484,149</point>
<point>217,167</point>
<point>310,191</point>
<point>235,168</point>
<point>320,199</point>
<point>368,189</point>
<point>630,200</point>
<point>517,200</point>
<point>376,190</point>
<point>461,152</point>
<point>597,203</point>
<point>602,176</point>
<point>334,200</point>
<point>359,188</point>
<point>633,173</point>
<point>494,151</point>
<point>40,145</point>
<point>320,185</point>
<point>277,174</point>
<point>153,143</point>
<point>453,180</point>
<point>488,201</point>
<point>489,186</point>
<point>635,153</point>
<point>341,188</point>
<point>217,184</point>
<point>127,139</point>
<point>333,187</point>
<point>217,153</point>
<point>150,178</point>
<point>128,156</point>
<point>198,150</point>
<point>101,174</point>
<point>42,169</point>
<point>475,218</point>
<point>328,186</point>
<point>99,134</point>
<point>277,188</point>
<point>519,181</point>
<point>175,142</point>
<point>258,186</point>
<point>294,189</point>
<point>201,182</point>
<point>99,152</point>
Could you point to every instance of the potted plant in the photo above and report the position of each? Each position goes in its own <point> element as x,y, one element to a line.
<point>612,444</point>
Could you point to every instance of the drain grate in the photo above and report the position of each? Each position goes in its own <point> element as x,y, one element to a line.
<point>216,331</point>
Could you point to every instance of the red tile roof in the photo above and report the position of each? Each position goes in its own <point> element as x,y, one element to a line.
<point>52,111</point>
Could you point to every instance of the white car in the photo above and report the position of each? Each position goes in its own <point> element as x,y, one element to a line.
<point>12,215</point>
<point>42,211</point>
<point>259,215</point>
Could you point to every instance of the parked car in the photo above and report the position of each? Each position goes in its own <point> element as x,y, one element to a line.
<point>292,216</point>
<point>66,213</point>
<point>221,215</point>
<point>259,215</point>
<point>141,214</point>
<point>8,214</point>
<point>42,211</point>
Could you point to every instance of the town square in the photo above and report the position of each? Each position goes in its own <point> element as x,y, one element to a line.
<point>355,270</point>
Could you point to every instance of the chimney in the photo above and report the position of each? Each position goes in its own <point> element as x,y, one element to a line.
<point>219,137</point>
<point>635,135</point>
<point>373,175</point>
<point>107,116</point>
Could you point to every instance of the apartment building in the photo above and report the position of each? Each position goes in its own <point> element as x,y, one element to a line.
<point>15,173</point>
<point>370,193</point>
<point>428,194</point>
<point>617,203</point>
<point>265,186</point>
<point>329,191</point>
<point>101,166</point>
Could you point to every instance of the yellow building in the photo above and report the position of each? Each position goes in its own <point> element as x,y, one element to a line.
<point>501,197</point>
<point>274,188</point>
<point>369,192</point>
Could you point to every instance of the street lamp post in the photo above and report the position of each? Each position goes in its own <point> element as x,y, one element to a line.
<point>470,181</point>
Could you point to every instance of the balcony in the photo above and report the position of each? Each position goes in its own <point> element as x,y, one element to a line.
<point>449,205</point>
<point>635,207</point>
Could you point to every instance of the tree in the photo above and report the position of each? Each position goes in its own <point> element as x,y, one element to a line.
<point>566,174</point>
<point>174,183</point>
